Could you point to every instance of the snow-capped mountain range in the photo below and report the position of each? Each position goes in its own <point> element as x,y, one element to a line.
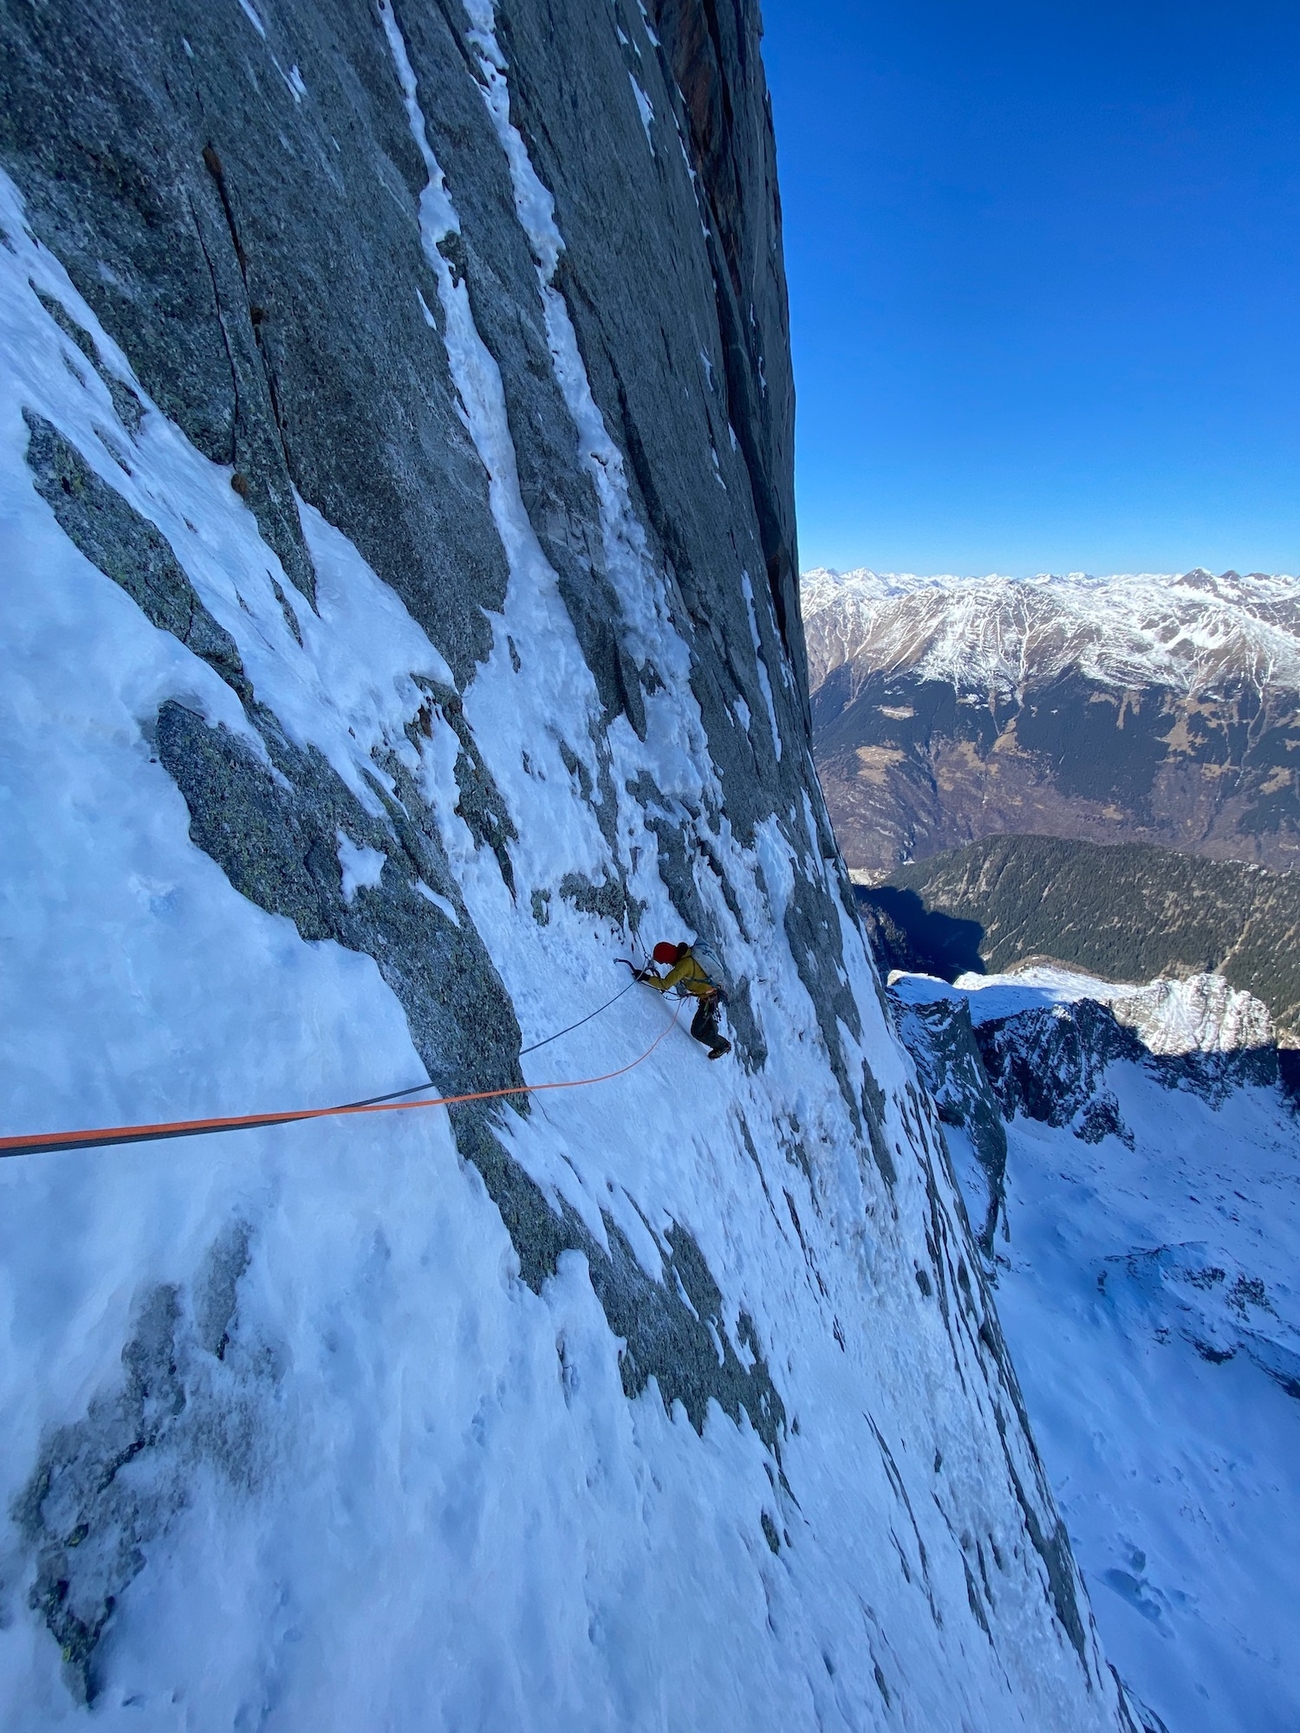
<point>1133,708</point>
<point>997,634</point>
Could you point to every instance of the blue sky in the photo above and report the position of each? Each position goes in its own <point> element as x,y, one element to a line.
<point>1044,264</point>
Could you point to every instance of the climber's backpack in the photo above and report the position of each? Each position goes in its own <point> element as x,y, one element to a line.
<point>714,967</point>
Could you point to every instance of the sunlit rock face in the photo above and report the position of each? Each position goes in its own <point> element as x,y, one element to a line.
<point>1110,710</point>
<point>401,631</point>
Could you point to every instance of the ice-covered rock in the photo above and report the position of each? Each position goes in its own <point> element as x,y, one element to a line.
<point>1196,1014</point>
<point>1201,1014</point>
<point>400,631</point>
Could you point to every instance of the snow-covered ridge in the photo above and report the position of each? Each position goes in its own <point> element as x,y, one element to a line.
<point>993,633</point>
<point>1198,1014</point>
<point>1141,1215</point>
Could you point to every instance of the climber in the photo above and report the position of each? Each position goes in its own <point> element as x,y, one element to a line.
<point>687,973</point>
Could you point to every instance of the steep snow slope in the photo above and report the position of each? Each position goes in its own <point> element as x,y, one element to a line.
<point>395,494</point>
<point>1146,1258</point>
<point>1127,708</point>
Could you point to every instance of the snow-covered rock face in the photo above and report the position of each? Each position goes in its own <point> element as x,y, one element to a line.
<point>1134,708</point>
<point>938,1032</point>
<point>1040,1042</point>
<point>1142,1236</point>
<point>1202,1014</point>
<point>395,498</point>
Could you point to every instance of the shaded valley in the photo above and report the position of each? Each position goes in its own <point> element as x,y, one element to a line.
<point>1128,913</point>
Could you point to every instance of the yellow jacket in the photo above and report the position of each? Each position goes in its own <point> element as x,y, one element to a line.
<point>686,974</point>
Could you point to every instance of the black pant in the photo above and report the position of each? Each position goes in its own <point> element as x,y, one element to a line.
<point>704,1025</point>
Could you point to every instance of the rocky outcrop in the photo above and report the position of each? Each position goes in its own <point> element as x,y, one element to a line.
<point>940,1037</point>
<point>1051,1066</point>
<point>1050,1058</point>
<point>1202,1014</point>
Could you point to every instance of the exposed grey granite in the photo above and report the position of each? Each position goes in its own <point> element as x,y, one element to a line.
<point>256,253</point>
<point>191,1398</point>
<point>242,214</point>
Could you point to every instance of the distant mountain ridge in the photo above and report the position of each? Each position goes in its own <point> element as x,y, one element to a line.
<point>1141,708</point>
<point>1180,631</point>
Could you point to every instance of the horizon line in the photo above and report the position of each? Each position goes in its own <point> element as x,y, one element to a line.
<point>1171,575</point>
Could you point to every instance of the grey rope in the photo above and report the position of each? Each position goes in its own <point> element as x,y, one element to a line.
<point>397,1094</point>
<point>581,1020</point>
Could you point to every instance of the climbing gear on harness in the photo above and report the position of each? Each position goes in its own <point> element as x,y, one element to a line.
<point>691,979</point>
<point>50,1141</point>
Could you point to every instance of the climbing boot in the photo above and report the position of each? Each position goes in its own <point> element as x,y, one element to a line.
<point>717,1051</point>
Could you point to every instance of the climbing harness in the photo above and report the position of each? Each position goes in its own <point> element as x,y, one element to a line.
<point>50,1141</point>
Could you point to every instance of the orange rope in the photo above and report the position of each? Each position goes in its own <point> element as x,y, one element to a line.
<point>48,1141</point>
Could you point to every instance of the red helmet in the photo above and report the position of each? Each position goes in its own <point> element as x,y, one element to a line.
<point>665,953</point>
